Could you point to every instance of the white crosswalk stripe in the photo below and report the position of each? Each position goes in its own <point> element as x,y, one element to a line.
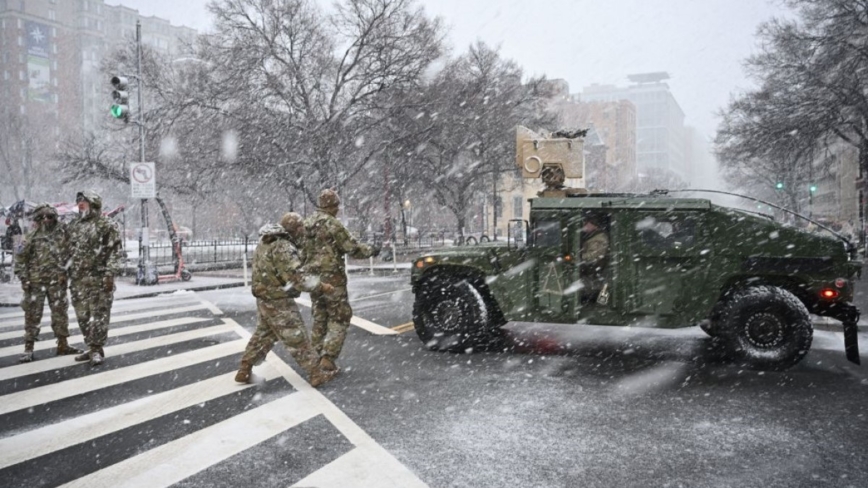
<point>167,408</point>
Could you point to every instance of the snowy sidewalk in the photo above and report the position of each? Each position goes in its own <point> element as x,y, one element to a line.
<point>11,294</point>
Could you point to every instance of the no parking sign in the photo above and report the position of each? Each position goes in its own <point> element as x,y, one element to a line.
<point>143,180</point>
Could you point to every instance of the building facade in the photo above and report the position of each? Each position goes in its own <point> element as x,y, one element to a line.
<point>660,132</point>
<point>51,82</point>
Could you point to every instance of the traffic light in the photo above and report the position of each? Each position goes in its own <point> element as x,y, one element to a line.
<point>120,98</point>
<point>813,188</point>
<point>779,185</point>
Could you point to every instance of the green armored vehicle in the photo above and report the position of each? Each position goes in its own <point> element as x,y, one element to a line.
<point>667,262</point>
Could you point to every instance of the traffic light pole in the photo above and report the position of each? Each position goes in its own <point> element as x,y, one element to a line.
<point>143,245</point>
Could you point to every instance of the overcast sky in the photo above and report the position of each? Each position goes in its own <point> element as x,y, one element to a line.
<point>700,43</point>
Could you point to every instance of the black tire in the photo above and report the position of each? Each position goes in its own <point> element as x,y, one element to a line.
<point>766,327</point>
<point>471,241</point>
<point>484,239</point>
<point>450,314</point>
<point>186,275</point>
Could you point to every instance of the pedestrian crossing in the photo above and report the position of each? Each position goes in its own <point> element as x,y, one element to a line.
<point>164,410</point>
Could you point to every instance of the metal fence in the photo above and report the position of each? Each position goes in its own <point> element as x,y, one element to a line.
<point>218,251</point>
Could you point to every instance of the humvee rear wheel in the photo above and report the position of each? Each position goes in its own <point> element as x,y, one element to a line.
<point>451,314</point>
<point>766,327</point>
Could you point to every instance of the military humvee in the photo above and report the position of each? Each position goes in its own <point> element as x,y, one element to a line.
<point>747,280</point>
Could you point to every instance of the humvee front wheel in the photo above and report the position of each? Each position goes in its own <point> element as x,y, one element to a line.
<point>766,327</point>
<point>450,314</point>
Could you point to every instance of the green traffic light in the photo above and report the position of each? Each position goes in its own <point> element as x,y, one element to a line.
<point>813,188</point>
<point>119,111</point>
<point>779,185</point>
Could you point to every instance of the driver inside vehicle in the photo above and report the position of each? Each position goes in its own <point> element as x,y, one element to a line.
<point>594,255</point>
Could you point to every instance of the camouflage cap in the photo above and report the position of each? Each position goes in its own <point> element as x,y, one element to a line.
<point>328,198</point>
<point>90,197</point>
<point>291,222</point>
<point>44,210</point>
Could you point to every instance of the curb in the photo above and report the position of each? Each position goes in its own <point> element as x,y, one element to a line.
<point>158,293</point>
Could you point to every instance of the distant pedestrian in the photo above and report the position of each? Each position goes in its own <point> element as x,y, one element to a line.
<point>328,241</point>
<point>41,267</point>
<point>95,260</point>
<point>277,282</point>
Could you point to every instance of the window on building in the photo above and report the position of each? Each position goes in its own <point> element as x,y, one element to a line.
<point>5,75</point>
<point>52,15</point>
<point>20,41</point>
<point>516,207</point>
<point>22,75</point>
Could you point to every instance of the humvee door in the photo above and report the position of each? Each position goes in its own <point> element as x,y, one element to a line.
<point>666,263</point>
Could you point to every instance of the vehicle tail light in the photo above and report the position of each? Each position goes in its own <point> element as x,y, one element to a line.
<point>840,283</point>
<point>829,293</point>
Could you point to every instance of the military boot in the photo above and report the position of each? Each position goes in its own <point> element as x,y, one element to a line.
<point>64,349</point>
<point>320,377</point>
<point>96,356</point>
<point>328,364</point>
<point>83,357</point>
<point>244,372</point>
<point>28,353</point>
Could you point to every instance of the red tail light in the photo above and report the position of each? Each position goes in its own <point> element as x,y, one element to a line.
<point>828,293</point>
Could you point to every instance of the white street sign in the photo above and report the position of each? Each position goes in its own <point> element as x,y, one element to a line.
<point>143,180</point>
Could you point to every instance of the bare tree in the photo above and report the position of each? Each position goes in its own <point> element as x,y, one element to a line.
<point>811,77</point>
<point>306,89</point>
<point>473,106</point>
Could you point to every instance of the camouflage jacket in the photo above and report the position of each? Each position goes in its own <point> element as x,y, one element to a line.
<point>95,247</point>
<point>45,254</point>
<point>327,243</point>
<point>276,270</point>
<point>595,250</point>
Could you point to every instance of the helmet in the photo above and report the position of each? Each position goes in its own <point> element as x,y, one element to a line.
<point>271,230</point>
<point>292,223</point>
<point>43,211</point>
<point>328,198</point>
<point>90,197</point>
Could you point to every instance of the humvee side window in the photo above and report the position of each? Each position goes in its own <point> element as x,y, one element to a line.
<point>547,233</point>
<point>666,232</point>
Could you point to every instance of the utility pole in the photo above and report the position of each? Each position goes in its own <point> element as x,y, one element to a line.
<point>144,254</point>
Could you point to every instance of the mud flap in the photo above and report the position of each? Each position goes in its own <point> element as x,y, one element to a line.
<point>849,317</point>
<point>851,341</point>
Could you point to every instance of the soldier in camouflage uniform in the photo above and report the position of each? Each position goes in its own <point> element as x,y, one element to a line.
<point>328,241</point>
<point>277,281</point>
<point>95,260</point>
<point>41,267</point>
<point>594,257</point>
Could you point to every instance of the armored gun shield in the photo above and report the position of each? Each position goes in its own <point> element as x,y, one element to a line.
<point>534,151</point>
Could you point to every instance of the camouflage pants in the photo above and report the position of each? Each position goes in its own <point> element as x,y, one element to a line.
<point>93,306</point>
<point>280,320</point>
<point>331,319</point>
<point>34,300</point>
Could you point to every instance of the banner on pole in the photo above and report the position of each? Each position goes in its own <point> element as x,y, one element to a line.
<point>143,180</point>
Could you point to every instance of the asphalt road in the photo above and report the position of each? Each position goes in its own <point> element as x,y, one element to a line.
<point>561,406</point>
<point>596,406</point>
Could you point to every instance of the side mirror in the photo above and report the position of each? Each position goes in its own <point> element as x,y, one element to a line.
<point>516,234</point>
